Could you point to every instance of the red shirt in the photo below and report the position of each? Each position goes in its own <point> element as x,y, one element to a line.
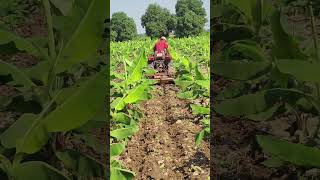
<point>160,46</point>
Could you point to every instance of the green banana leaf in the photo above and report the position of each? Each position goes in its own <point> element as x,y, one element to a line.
<point>73,113</point>
<point>120,174</point>
<point>12,43</point>
<point>249,50</point>
<point>131,97</point>
<point>282,39</point>
<point>85,166</point>
<point>297,154</point>
<point>302,70</point>
<point>264,116</point>
<point>124,132</point>
<point>86,38</point>
<point>116,149</point>
<point>135,74</point>
<point>243,105</point>
<point>32,170</point>
<point>197,109</point>
<point>63,5</point>
<point>241,70</point>
<point>80,107</point>
<point>19,77</point>
<point>39,72</point>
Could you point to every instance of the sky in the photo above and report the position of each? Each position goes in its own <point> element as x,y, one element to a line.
<point>136,8</point>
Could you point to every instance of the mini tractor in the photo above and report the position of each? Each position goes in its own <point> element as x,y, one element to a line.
<point>164,74</point>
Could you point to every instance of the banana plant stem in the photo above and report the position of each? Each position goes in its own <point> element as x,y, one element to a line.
<point>314,30</point>
<point>51,42</point>
<point>315,41</point>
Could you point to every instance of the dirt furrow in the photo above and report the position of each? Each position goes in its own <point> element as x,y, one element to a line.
<point>164,146</point>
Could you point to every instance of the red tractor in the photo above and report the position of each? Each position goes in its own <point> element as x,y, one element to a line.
<point>164,73</point>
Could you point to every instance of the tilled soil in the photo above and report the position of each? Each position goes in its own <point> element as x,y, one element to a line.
<point>236,154</point>
<point>164,146</point>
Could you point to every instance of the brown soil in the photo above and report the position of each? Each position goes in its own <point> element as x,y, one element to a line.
<point>33,27</point>
<point>236,153</point>
<point>164,147</point>
<point>20,60</point>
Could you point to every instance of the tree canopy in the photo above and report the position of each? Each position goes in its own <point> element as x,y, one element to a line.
<point>191,17</point>
<point>189,20</point>
<point>122,27</point>
<point>158,21</point>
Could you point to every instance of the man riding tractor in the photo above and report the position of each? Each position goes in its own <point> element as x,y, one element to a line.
<point>160,61</point>
<point>161,49</point>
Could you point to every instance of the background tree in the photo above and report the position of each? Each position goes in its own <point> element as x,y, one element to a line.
<point>191,17</point>
<point>123,28</point>
<point>158,21</point>
<point>113,35</point>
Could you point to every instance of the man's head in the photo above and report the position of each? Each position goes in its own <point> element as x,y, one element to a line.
<point>163,38</point>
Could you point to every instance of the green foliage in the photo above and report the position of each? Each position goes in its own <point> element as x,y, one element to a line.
<point>86,27</point>
<point>241,70</point>
<point>286,81</point>
<point>19,78</point>
<point>14,12</point>
<point>190,18</point>
<point>113,35</point>
<point>69,90</point>
<point>193,82</point>
<point>206,131</point>
<point>63,5</point>
<point>238,106</point>
<point>12,43</point>
<point>158,21</point>
<point>36,170</point>
<point>289,152</point>
<point>282,39</point>
<point>83,166</point>
<point>129,87</point>
<point>123,28</point>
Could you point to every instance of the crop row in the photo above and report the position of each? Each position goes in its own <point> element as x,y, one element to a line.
<point>129,87</point>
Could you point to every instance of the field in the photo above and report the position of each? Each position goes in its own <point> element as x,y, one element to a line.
<point>160,131</point>
<point>266,90</point>
<point>52,90</point>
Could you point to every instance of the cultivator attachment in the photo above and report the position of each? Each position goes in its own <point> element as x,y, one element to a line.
<point>162,78</point>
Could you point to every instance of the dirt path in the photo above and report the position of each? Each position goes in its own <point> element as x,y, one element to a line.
<point>164,146</point>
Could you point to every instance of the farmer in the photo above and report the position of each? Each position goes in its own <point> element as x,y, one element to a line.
<point>161,47</point>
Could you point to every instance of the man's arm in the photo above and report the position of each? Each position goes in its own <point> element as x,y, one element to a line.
<point>166,45</point>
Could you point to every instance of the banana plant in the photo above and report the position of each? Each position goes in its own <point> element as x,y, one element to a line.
<point>194,85</point>
<point>127,90</point>
<point>70,51</point>
<point>265,87</point>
